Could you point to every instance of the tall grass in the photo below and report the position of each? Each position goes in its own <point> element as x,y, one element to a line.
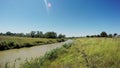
<point>44,62</point>
<point>7,42</point>
<point>84,53</point>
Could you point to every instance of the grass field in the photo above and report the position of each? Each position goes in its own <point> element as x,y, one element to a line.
<point>7,42</point>
<point>83,53</point>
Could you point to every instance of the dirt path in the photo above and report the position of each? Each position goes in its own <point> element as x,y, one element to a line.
<point>15,57</point>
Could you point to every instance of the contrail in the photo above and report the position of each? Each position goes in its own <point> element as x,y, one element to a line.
<point>46,4</point>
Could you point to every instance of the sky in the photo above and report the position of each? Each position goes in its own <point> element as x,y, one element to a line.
<point>69,17</point>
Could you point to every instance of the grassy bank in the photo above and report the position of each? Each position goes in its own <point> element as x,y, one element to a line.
<point>84,53</point>
<point>7,42</point>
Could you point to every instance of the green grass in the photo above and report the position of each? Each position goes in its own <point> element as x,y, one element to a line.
<point>44,62</point>
<point>7,42</point>
<point>84,53</point>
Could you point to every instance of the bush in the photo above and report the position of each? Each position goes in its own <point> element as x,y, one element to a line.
<point>50,42</point>
<point>67,46</point>
<point>50,35</point>
<point>6,45</point>
<point>27,45</point>
<point>3,45</point>
<point>60,40</point>
<point>7,42</point>
<point>45,61</point>
<point>104,34</point>
<point>10,44</point>
<point>39,42</point>
<point>16,45</point>
<point>51,55</point>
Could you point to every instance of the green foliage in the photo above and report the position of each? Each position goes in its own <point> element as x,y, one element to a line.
<point>8,33</point>
<point>110,35</point>
<point>115,34</point>
<point>7,42</point>
<point>87,36</point>
<point>34,34</point>
<point>61,40</point>
<point>28,44</point>
<point>84,53</point>
<point>50,35</point>
<point>67,46</point>
<point>44,62</point>
<point>103,34</point>
<point>61,36</point>
<point>39,34</point>
<point>4,45</point>
<point>52,55</point>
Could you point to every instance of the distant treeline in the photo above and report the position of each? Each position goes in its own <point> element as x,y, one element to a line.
<point>34,34</point>
<point>104,34</point>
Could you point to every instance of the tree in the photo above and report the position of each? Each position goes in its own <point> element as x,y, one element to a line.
<point>28,35</point>
<point>61,36</point>
<point>1,33</point>
<point>32,33</point>
<point>110,35</point>
<point>98,35</point>
<point>103,34</point>
<point>21,34</point>
<point>39,34</point>
<point>92,36</point>
<point>50,35</point>
<point>115,34</point>
<point>8,33</point>
<point>87,36</point>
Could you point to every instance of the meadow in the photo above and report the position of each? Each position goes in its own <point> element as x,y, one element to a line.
<point>12,42</point>
<point>83,53</point>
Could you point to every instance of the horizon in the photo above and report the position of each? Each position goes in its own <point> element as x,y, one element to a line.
<point>61,33</point>
<point>72,18</point>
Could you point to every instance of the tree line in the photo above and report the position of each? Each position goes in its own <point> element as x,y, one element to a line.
<point>104,34</point>
<point>35,34</point>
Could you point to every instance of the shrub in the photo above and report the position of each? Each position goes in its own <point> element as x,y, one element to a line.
<point>45,61</point>
<point>27,44</point>
<point>67,46</point>
<point>50,42</point>
<point>10,44</point>
<point>7,42</point>
<point>60,40</point>
<point>6,45</point>
<point>16,45</point>
<point>51,55</point>
<point>50,35</point>
<point>3,45</point>
<point>103,34</point>
<point>39,42</point>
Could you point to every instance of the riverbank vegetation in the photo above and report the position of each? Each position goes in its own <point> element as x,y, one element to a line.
<point>12,42</point>
<point>83,53</point>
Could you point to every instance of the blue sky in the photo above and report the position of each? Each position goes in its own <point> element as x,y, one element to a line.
<point>70,17</point>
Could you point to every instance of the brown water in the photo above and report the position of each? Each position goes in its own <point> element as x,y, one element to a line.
<point>15,57</point>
